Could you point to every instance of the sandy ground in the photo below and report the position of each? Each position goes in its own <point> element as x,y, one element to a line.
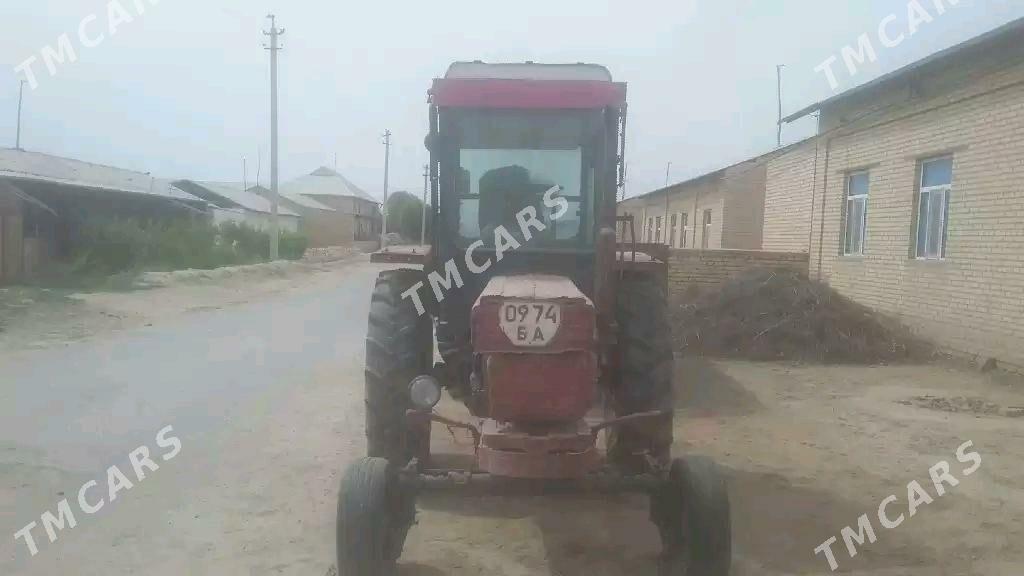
<point>807,449</point>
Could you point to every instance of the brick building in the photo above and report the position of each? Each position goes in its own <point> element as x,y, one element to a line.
<point>357,213</point>
<point>911,197</point>
<point>719,210</point>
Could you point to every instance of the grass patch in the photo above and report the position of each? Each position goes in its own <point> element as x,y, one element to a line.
<point>113,251</point>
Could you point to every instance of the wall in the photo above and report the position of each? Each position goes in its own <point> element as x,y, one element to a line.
<point>973,300</point>
<point>711,268</point>
<point>743,210</point>
<point>12,245</point>
<point>690,198</point>
<point>789,196</point>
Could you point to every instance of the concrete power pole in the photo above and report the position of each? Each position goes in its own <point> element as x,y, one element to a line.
<point>668,170</point>
<point>384,208</point>
<point>426,187</point>
<point>778,84</point>
<point>274,48</point>
<point>21,95</point>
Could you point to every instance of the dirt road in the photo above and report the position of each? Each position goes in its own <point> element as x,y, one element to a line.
<point>267,397</point>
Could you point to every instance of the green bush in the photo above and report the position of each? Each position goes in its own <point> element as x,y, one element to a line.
<point>292,245</point>
<point>111,246</point>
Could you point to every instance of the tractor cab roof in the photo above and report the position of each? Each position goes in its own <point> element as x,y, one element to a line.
<point>529,71</point>
<point>527,85</point>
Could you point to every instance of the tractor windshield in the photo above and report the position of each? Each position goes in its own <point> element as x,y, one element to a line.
<point>508,159</point>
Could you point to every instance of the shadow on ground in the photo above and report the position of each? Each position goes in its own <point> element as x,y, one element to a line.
<point>702,389</point>
<point>776,526</point>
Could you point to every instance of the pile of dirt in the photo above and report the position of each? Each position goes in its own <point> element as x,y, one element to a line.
<point>781,315</point>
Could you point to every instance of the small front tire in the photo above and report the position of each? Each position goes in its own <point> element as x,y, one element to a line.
<point>693,517</point>
<point>374,516</point>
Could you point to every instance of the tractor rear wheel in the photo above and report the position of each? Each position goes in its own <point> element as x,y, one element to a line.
<point>374,516</point>
<point>692,515</point>
<point>643,375</point>
<point>399,347</point>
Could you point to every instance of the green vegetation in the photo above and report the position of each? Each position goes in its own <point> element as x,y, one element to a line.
<point>405,213</point>
<point>115,246</point>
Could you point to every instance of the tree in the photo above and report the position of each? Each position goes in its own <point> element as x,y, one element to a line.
<point>405,214</point>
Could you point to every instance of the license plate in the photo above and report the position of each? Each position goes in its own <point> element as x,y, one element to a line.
<point>530,323</point>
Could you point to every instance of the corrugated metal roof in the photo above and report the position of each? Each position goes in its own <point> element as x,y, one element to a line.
<point>299,199</point>
<point>671,188</point>
<point>230,195</point>
<point>982,42</point>
<point>39,167</point>
<point>324,182</point>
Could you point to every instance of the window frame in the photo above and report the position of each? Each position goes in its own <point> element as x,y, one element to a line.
<point>684,227</point>
<point>705,228</point>
<point>863,224</point>
<point>922,190</point>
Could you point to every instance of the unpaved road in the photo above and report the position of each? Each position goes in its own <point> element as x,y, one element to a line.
<point>266,397</point>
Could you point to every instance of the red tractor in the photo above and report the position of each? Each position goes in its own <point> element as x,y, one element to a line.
<point>550,326</point>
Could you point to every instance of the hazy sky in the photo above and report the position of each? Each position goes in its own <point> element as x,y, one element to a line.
<point>182,90</point>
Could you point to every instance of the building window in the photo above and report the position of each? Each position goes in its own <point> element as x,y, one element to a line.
<point>707,230</point>
<point>684,225</point>
<point>672,230</point>
<point>649,237</point>
<point>933,208</point>
<point>856,213</point>
<point>657,229</point>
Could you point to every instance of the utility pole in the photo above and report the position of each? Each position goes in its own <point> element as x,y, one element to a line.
<point>21,95</point>
<point>426,186</point>
<point>778,83</point>
<point>384,209</point>
<point>664,238</point>
<point>274,48</point>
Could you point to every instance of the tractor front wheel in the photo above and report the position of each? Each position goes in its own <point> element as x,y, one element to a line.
<point>374,515</point>
<point>692,515</point>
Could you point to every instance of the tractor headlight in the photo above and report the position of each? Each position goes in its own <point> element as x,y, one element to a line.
<point>424,392</point>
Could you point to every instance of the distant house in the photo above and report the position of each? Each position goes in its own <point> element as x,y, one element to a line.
<point>45,199</point>
<point>323,226</point>
<point>231,202</point>
<point>361,212</point>
<point>723,209</point>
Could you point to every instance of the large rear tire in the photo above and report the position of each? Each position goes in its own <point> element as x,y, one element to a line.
<point>374,516</point>
<point>643,374</point>
<point>693,517</point>
<point>399,347</point>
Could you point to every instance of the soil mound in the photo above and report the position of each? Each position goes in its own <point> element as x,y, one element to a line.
<point>782,315</point>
